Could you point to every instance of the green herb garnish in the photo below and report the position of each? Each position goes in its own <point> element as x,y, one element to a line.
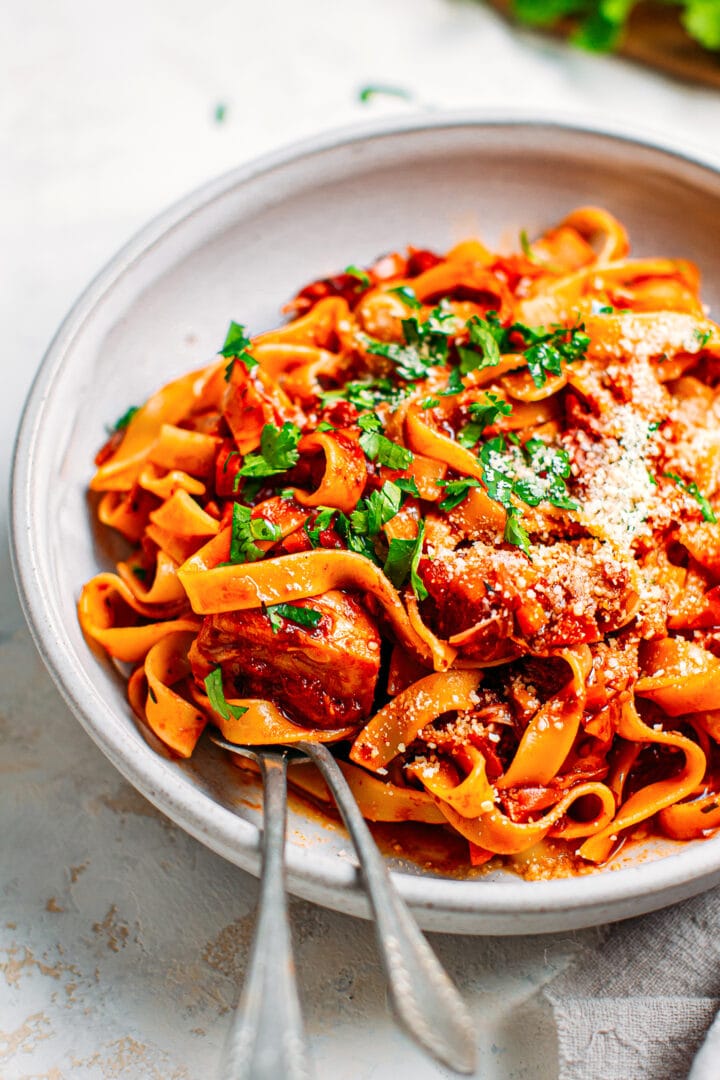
<point>484,415</point>
<point>301,616</point>
<point>366,93</point>
<point>245,531</point>
<point>692,489</point>
<point>236,348</point>
<point>216,694</point>
<point>122,422</point>
<point>362,276</point>
<point>278,451</point>
<point>378,447</point>
<point>407,295</point>
<point>365,393</point>
<point>375,511</point>
<point>456,491</point>
<point>402,560</point>
<point>427,344</point>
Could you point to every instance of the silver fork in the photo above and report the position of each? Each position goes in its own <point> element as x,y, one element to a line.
<point>424,1000</point>
<point>266,1040</point>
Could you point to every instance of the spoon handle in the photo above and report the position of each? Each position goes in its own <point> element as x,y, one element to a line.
<point>266,1039</point>
<point>424,999</point>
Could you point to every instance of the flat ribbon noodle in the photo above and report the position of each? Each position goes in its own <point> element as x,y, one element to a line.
<point>398,722</point>
<point>653,797</point>
<point>100,606</point>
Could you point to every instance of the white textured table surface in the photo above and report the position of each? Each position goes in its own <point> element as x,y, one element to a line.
<point>122,941</point>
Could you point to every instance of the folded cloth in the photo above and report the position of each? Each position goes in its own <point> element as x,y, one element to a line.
<point>638,1006</point>
<point>706,1065</point>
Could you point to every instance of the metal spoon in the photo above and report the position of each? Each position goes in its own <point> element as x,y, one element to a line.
<point>266,1040</point>
<point>424,1000</point>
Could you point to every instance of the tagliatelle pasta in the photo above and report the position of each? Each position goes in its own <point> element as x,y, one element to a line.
<point>456,518</point>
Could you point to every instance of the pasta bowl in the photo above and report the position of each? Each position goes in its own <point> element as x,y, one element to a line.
<point>238,249</point>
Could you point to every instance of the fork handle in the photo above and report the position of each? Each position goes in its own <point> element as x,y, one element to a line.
<point>266,1039</point>
<point>424,999</point>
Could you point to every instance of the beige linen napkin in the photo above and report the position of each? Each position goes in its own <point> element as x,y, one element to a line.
<point>638,1006</point>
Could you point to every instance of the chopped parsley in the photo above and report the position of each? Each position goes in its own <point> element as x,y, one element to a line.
<point>362,276</point>
<point>323,520</point>
<point>429,403</point>
<point>544,350</point>
<point>456,491</point>
<point>454,385</point>
<point>366,93</point>
<point>365,393</point>
<point>551,468</point>
<point>235,348</point>
<point>216,694</point>
<point>245,531</point>
<point>375,511</point>
<point>426,346</point>
<point>484,415</point>
<point>378,447</point>
<point>598,308</point>
<point>324,426</point>
<point>702,337</point>
<point>301,616</point>
<point>526,246</point>
<point>122,422</point>
<point>488,339</point>
<point>402,561</point>
<point>692,489</point>
<point>278,451</point>
<point>515,533</point>
<point>407,295</point>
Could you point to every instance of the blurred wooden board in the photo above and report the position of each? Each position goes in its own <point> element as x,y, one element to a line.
<point>654,36</point>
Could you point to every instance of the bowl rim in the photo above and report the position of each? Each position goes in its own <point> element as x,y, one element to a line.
<point>328,880</point>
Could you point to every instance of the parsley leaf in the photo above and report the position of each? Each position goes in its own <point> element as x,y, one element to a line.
<point>692,489</point>
<point>498,471</point>
<point>427,344</point>
<point>514,531</point>
<point>484,415</point>
<point>545,352</point>
<point>487,340</point>
<point>365,393</point>
<point>278,451</point>
<point>367,92</point>
<point>122,422</point>
<point>454,385</point>
<point>235,347</point>
<point>375,511</point>
<point>407,295</point>
<point>361,545</point>
<point>377,447</point>
<point>701,19</point>
<point>216,694</point>
<point>245,531</point>
<point>301,616</point>
<point>322,521</point>
<point>362,276</point>
<point>402,560</point>
<point>456,491</point>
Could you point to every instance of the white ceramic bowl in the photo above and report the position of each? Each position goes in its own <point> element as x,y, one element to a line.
<point>238,248</point>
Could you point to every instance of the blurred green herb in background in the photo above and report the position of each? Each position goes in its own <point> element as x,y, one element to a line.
<point>600,23</point>
<point>367,93</point>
